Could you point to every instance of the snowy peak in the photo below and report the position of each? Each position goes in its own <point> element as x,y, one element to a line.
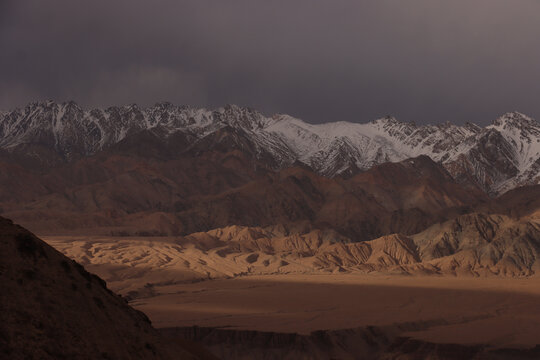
<point>496,158</point>
<point>240,117</point>
<point>391,124</point>
<point>522,137</point>
<point>514,119</point>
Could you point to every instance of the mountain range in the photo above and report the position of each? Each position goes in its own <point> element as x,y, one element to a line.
<point>495,158</point>
<point>177,171</point>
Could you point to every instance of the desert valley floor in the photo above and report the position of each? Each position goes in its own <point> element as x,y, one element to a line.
<point>290,298</point>
<point>497,312</point>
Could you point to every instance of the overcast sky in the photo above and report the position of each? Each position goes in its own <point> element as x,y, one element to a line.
<point>419,60</point>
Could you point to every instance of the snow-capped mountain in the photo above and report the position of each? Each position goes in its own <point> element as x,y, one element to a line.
<point>498,157</point>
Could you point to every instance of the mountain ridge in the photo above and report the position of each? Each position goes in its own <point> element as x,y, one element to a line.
<point>497,158</point>
<point>126,193</point>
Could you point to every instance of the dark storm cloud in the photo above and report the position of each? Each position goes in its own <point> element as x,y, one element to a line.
<point>427,61</point>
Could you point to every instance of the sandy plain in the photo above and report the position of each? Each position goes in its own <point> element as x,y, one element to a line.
<point>497,312</point>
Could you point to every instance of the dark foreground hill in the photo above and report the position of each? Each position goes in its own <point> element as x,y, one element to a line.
<point>52,308</point>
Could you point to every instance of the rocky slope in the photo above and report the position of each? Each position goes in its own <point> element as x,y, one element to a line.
<point>497,158</point>
<point>481,244</point>
<point>52,308</point>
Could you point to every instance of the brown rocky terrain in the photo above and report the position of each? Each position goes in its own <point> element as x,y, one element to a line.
<point>115,194</point>
<point>482,244</point>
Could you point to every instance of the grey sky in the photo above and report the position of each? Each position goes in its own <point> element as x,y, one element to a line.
<point>422,60</point>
